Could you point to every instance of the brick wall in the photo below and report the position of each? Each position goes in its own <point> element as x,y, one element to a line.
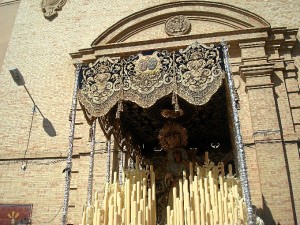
<point>40,49</point>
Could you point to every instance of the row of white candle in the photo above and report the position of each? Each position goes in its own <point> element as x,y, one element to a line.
<point>208,198</point>
<point>132,203</point>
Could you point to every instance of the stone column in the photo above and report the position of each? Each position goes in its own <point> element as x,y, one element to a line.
<point>271,165</point>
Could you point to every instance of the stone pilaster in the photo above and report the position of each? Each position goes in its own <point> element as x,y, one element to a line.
<point>257,73</point>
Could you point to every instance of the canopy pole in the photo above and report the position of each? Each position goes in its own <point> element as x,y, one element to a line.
<point>108,145</point>
<point>68,168</point>
<point>242,167</point>
<point>121,167</point>
<point>91,169</point>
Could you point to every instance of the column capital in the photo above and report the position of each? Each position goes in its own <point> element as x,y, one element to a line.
<point>257,76</point>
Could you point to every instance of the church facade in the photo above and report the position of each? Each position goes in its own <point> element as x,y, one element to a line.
<point>49,40</point>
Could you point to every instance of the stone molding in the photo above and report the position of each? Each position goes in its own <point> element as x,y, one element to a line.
<point>233,38</point>
<point>234,17</point>
<point>8,2</point>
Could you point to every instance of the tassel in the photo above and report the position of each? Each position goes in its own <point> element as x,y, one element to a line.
<point>177,109</point>
<point>173,98</point>
<point>175,102</point>
<point>119,109</point>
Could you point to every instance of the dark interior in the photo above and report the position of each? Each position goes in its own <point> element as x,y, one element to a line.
<point>207,125</point>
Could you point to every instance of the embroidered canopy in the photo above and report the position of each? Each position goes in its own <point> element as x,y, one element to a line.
<point>194,74</point>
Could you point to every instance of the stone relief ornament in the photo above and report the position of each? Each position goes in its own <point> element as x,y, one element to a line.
<point>177,25</point>
<point>50,7</point>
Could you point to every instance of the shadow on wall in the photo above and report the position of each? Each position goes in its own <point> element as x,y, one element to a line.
<point>296,53</point>
<point>296,50</point>
<point>19,80</point>
<point>265,213</point>
<point>48,127</point>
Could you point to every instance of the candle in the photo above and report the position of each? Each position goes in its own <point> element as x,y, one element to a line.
<point>230,170</point>
<point>142,211</point>
<point>220,208</point>
<point>202,196</point>
<point>147,216</point>
<point>202,214</point>
<point>211,188</point>
<point>168,215</point>
<point>192,218</point>
<point>139,218</point>
<point>128,201</point>
<point>172,218</point>
<point>178,219</point>
<point>241,210</point>
<point>207,203</point>
<point>211,218</point>
<point>151,174</point>
<point>181,212</point>
<point>225,190</point>
<point>134,213</point>
<point>230,216</point>
<point>199,171</point>
<point>225,211</point>
<point>197,207</point>
<point>235,215</point>
<point>191,172</point>
<point>221,180</point>
<point>115,177</point>
<point>180,190</point>
<point>215,214</point>
<point>150,206</point>
<point>138,192</point>
<point>111,214</point>
<point>123,216</point>
<point>115,219</point>
<point>188,215</point>
<point>119,206</point>
<point>186,194</point>
<point>206,157</point>
<point>98,217</point>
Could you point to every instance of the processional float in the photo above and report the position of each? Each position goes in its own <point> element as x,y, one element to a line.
<point>203,194</point>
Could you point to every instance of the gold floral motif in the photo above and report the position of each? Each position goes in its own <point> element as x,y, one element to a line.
<point>194,73</point>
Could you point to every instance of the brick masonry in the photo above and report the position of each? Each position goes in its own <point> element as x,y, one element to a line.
<point>40,49</point>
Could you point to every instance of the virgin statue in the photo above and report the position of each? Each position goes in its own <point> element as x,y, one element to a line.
<point>173,139</point>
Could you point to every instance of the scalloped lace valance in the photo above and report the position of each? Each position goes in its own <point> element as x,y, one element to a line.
<point>194,74</point>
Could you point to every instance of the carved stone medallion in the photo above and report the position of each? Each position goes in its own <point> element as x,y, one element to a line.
<point>50,7</point>
<point>177,25</point>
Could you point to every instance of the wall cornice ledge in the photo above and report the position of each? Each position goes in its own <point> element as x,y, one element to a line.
<point>233,38</point>
<point>8,2</point>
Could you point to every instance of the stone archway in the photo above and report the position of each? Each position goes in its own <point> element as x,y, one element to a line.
<point>255,58</point>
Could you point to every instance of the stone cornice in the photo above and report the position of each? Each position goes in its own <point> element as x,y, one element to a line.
<point>233,38</point>
<point>8,2</point>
